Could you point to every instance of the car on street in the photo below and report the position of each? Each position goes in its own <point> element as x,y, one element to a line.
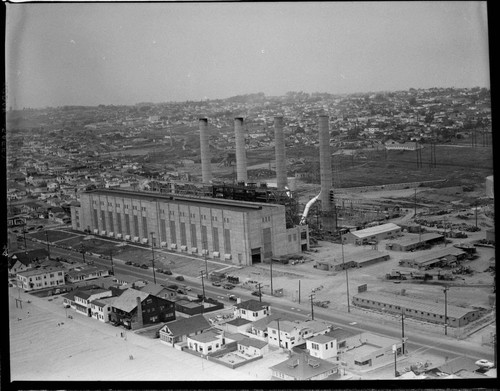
<point>228,286</point>
<point>179,278</point>
<point>257,293</point>
<point>128,263</point>
<point>232,298</point>
<point>484,364</point>
<point>167,272</point>
<point>216,283</point>
<point>144,266</point>
<point>188,288</point>
<point>136,264</point>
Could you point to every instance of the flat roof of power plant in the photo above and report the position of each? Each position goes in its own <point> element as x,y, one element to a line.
<point>206,201</point>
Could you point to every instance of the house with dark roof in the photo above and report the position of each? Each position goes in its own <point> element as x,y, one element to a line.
<point>304,367</point>
<point>252,310</point>
<point>135,309</point>
<point>456,366</point>
<point>236,325</point>
<point>179,330</point>
<point>24,260</point>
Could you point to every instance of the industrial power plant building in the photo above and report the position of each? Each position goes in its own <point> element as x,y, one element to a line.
<point>243,232</point>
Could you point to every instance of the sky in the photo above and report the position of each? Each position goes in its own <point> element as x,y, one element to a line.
<point>124,53</point>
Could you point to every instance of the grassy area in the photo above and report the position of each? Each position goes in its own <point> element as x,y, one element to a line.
<point>54,235</point>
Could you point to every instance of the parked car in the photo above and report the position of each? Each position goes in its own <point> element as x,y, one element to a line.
<point>144,266</point>
<point>179,278</point>
<point>216,283</point>
<point>484,364</point>
<point>188,288</point>
<point>136,264</point>
<point>257,293</point>
<point>128,263</point>
<point>167,272</point>
<point>228,286</point>
<point>233,298</point>
<point>181,291</point>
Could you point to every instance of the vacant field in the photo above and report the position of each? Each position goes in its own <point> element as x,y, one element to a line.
<point>54,236</point>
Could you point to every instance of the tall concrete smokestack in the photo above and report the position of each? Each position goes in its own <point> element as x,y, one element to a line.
<point>241,159</point>
<point>279,147</point>
<point>325,163</point>
<point>206,168</point>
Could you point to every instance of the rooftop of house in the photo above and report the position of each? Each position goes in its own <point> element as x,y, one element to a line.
<point>206,336</point>
<point>256,343</point>
<point>252,305</point>
<point>302,366</point>
<point>127,301</point>
<point>186,326</point>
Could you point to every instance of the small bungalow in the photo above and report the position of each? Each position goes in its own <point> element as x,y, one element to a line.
<point>253,347</point>
<point>179,330</point>
<point>207,342</point>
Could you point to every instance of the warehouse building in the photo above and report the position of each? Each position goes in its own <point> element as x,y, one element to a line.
<point>428,311</point>
<point>363,259</point>
<point>372,234</point>
<point>243,232</point>
<point>413,241</point>
<point>449,256</point>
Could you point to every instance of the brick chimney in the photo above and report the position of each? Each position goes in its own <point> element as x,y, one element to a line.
<point>140,321</point>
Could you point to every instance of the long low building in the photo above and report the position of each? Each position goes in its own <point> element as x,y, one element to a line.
<point>243,232</point>
<point>429,311</point>
<point>372,234</point>
<point>414,241</point>
<point>442,257</point>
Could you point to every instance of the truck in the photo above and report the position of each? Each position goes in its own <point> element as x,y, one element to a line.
<point>395,275</point>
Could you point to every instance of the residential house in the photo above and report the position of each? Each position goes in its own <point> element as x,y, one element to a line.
<point>207,342</point>
<point>304,367</point>
<point>39,278</point>
<point>159,291</point>
<point>135,309</point>
<point>85,273</point>
<point>259,327</point>
<point>83,299</point>
<point>24,260</point>
<point>237,325</point>
<point>253,347</point>
<point>322,346</point>
<point>252,310</point>
<point>101,308</point>
<point>287,334</point>
<point>179,330</point>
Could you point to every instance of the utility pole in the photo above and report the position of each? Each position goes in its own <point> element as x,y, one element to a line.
<point>476,212</point>
<point>445,290</point>
<point>24,235</point>
<point>279,332</point>
<point>48,247</point>
<point>415,213</point>
<point>403,329</point>
<point>395,350</point>
<point>312,307</point>
<point>205,250</point>
<point>202,284</point>
<point>153,252</point>
<point>299,291</point>
<point>271,269</point>
<point>112,266</point>
<point>260,293</point>
<point>346,273</point>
